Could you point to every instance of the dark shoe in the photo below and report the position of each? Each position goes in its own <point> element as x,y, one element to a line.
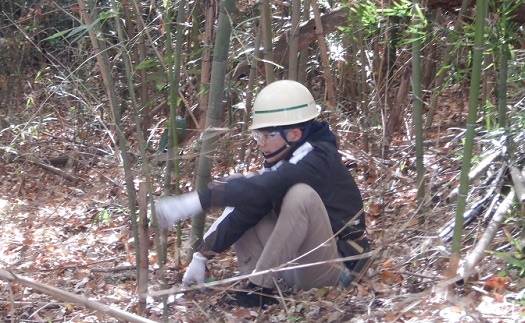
<point>354,276</point>
<point>361,265</point>
<point>255,296</point>
<point>355,269</point>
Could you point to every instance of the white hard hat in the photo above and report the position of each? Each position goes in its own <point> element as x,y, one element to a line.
<point>283,103</point>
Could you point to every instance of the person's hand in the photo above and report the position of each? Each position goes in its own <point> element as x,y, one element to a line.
<point>172,209</point>
<point>196,270</point>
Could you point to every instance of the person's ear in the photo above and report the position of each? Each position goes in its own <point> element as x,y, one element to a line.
<point>297,133</point>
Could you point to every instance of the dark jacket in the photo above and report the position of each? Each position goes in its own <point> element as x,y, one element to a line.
<point>316,162</point>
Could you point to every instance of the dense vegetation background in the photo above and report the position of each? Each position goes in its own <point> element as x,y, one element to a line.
<point>106,105</point>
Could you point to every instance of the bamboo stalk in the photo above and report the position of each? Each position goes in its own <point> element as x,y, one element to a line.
<point>293,46</point>
<point>417,104</point>
<point>213,115</point>
<point>477,62</point>
<point>109,84</point>
<point>303,54</point>
<point>266,22</point>
<point>140,53</point>
<point>329,83</point>
<point>142,276</point>
<point>141,242</point>
<point>206,62</point>
<point>249,92</point>
<point>476,172</point>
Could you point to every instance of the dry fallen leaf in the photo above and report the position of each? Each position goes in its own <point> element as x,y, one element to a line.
<point>390,276</point>
<point>375,209</point>
<point>496,283</point>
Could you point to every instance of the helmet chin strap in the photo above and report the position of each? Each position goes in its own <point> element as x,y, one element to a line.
<point>275,153</point>
<point>305,131</point>
<point>278,151</point>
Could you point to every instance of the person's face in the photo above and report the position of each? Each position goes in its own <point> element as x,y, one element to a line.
<point>270,142</point>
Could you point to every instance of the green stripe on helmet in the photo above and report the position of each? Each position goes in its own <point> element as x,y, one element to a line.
<point>282,109</point>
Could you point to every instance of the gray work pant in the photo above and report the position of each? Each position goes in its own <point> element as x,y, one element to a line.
<point>301,234</point>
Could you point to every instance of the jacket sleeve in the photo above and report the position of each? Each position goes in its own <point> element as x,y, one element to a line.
<point>248,200</point>
<point>265,191</point>
<point>229,228</point>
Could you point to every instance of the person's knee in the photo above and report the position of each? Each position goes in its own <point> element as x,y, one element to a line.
<point>301,189</point>
<point>301,194</point>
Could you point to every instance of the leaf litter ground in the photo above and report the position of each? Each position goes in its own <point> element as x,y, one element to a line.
<point>76,236</point>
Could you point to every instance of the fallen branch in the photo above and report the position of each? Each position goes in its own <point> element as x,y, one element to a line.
<point>15,157</point>
<point>113,269</point>
<point>475,256</point>
<point>73,298</point>
<point>57,171</point>
<point>519,183</point>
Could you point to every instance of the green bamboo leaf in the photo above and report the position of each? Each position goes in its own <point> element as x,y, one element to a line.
<point>511,260</point>
<point>82,29</point>
<point>60,33</point>
<point>147,63</point>
<point>420,14</point>
<point>107,14</point>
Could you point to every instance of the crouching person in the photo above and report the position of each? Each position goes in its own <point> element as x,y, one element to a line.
<point>302,208</point>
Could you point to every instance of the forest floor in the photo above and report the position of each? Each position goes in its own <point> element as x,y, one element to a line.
<point>73,232</point>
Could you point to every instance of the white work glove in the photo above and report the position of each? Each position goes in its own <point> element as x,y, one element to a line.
<point>196,270</point>
<point>172,209</point>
